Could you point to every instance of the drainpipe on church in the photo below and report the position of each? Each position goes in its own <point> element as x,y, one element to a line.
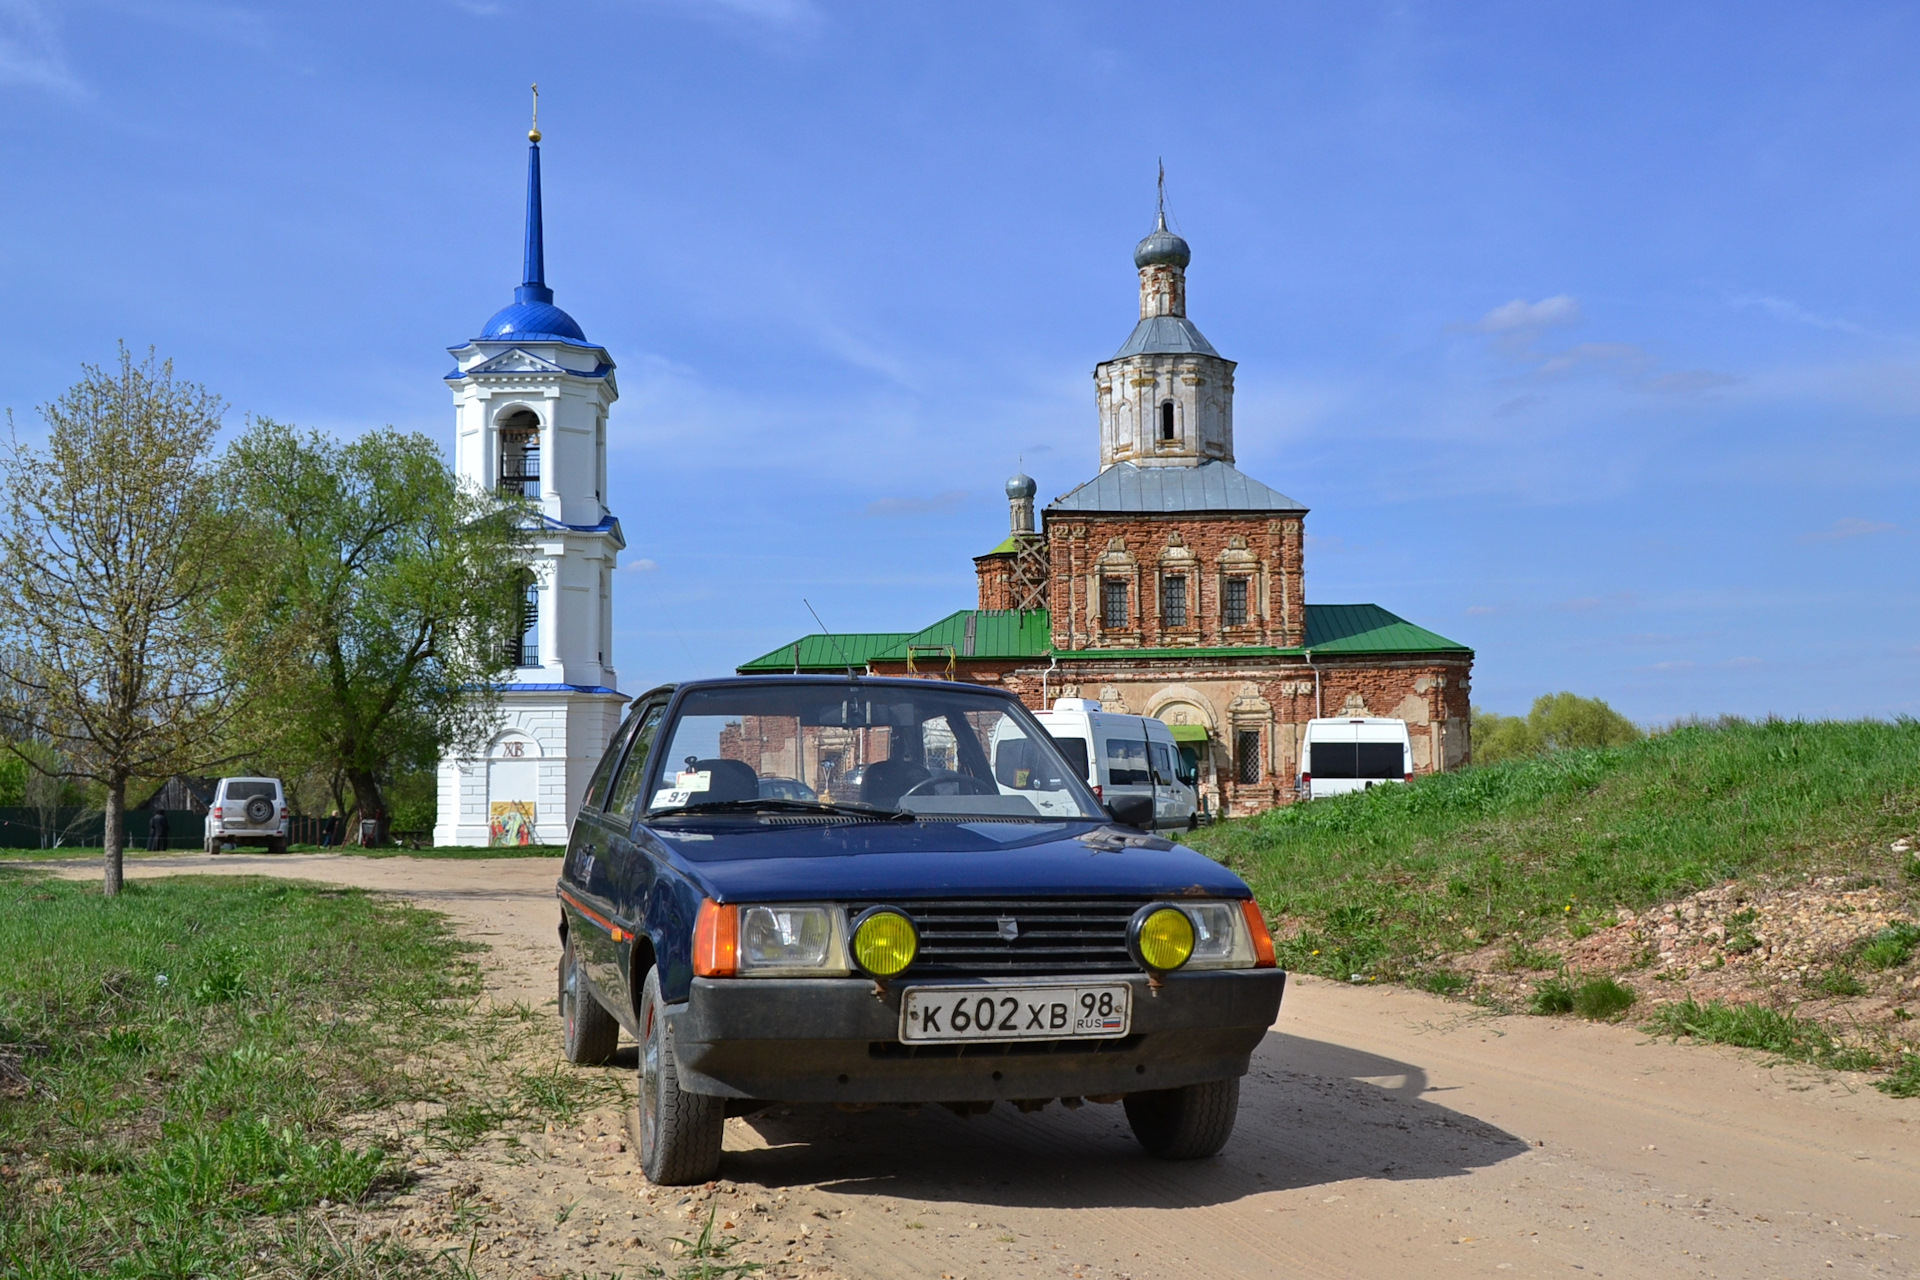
<point>1318,712</point>
<point>1053,667</point>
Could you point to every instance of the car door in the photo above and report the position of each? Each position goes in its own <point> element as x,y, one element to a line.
<point>630,867</point>
<point>588,870</point>
<point>1166,796</point>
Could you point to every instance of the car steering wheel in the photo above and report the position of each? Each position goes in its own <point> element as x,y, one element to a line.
<point>945,782</point>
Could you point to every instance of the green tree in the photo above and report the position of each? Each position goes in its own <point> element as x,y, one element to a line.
<point>395,587</point>
<point>109,552</point>
<point>1557,722</point>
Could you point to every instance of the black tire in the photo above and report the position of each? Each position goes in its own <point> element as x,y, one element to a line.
<point>276,846</point>
<point>588,1033</point>
<point>676,1133</point>
<point>1188,1123</point>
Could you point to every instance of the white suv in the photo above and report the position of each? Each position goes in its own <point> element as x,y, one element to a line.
<point>247,811</point>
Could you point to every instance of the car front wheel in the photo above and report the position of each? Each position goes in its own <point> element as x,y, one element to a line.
<point>588,1033</point>
<point>1188,1123</point>
<point>678,1134</point>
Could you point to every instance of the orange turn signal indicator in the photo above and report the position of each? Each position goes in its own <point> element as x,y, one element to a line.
<point>1263,957</point>
<point>716,940</point>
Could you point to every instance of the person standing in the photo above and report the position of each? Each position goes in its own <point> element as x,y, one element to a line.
<point>157,830</point>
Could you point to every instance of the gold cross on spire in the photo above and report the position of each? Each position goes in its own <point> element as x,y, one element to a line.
<point>533,134</point>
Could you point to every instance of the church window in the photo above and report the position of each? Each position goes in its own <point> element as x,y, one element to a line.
<point>1166,420</point>
<point>1233,609</point>
<point>1173,600</point>
<point>520,455</point>
<point>1113,603</point>
<point>1247,748</point>
<point>524,649</point>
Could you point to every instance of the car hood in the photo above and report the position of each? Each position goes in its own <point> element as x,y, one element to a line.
<point>862,861</point>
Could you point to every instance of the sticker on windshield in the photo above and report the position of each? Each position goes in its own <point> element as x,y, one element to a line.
<point>693,780</point>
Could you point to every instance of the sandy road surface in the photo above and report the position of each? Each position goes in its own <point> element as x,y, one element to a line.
<point>1382,1133</point>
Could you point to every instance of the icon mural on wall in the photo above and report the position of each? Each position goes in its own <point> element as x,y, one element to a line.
<point>510,822</point>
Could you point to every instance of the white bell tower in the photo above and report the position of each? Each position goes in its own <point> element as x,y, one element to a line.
<point>530,397</point>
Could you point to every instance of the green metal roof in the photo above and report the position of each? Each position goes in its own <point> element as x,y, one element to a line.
<point>980,633</point>
<point>1027,633</point>
<point>1367,628</point>
<point>1188,732</point>
<point>1006,548</point>
<point>824,652</point>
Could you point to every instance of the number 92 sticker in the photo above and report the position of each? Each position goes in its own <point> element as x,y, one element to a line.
<point>991,1012</point>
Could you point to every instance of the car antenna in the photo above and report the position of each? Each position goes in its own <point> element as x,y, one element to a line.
<point>831,639</point>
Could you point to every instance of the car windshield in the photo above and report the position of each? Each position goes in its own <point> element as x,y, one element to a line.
<point>241,792</point>
<point>934,750</point>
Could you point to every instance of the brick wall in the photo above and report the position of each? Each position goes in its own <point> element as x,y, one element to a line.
<point>1143,551</point>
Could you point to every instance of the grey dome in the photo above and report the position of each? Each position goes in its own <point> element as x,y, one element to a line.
<point>1162,248</point>
<point>1022,486</point>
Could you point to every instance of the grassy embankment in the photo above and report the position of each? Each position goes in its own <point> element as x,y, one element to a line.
<point>179,1068</point>
<point>453,852</point>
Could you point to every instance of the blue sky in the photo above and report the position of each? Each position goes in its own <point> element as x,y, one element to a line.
<point>1589,332</point>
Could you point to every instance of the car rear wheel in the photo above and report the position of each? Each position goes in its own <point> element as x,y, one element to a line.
<point>276,846</point>
<point>1188,1123</point>
<point>588,1033</point>
<point>677,1133</point>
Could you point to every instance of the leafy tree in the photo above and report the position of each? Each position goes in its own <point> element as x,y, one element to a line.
<point>109,547</point>
<point>396,588</point>
<point>1557,722</point>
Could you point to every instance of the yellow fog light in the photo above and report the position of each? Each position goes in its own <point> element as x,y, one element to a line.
<point>884,941</point>
<point>1161,937</point>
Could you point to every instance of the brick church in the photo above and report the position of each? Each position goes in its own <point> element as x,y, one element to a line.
<point>1171,585</point>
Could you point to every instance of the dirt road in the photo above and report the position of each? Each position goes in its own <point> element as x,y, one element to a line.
<point>1382,1133</point>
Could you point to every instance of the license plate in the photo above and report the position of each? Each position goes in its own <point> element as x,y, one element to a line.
<point>1081,1011</point>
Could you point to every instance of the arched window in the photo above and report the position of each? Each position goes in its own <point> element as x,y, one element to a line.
<point>520,454</point>
<point>523,641</point>
<point>1166,420</point>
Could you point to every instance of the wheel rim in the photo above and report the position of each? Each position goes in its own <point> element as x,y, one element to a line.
<point>649,1089</point>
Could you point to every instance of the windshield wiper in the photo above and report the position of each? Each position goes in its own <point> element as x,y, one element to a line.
<point>772,804</point>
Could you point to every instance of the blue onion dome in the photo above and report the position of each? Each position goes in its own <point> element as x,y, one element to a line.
<point>1162,248</point>
<point>1022,486</point>
<point>530,320</point>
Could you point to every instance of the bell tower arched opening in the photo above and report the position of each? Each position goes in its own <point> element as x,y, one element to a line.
<point>520,454</point>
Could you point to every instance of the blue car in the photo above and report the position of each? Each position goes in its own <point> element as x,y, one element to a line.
<point>951,917</point>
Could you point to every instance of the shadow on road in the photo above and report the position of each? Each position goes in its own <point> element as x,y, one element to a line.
<point>1310,1113</point>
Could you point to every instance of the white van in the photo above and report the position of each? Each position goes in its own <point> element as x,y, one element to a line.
<point>1352,754</point>
<point>1125,755</point>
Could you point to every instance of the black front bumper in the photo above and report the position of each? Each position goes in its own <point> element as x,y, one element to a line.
<point>834,1040</point>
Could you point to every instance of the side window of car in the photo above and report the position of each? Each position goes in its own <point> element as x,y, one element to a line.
<point>1162,763</point>
<point>633,773</point>
<point>602,778</point>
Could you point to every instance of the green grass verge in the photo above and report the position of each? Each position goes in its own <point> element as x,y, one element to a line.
<point>1386,882</point>
<point>175,1065</point>
<point>458,852</point>
<point>1752,1026</point>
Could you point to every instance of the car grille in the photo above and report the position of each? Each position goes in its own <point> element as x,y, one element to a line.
<point>963,939</point>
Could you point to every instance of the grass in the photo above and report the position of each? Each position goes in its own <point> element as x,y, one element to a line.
<point>1891,947</point>
<point>1388,882</point>
<point>456,852</point>
<point>1752,1026</point>
<point>176,1065</point>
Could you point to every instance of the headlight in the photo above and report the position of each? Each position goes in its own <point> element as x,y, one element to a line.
<point>884,941</point>
<point>1223,941</point>
<point>803,940</point>
<point>1161,937</point>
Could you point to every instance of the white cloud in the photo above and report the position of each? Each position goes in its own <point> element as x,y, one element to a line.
<point>1520,315</point>
<point>640,566</point>
<point>1849,527</point>
<point>1794,313</point>
<point>30,52</point>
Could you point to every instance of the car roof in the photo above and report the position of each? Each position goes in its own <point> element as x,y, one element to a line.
<point>865,682</point>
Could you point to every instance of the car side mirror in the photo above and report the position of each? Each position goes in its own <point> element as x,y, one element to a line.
<point>1132,811</point>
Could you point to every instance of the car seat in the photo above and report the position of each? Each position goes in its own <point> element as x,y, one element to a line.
<point>728,780</point>
<point>885,781</point>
